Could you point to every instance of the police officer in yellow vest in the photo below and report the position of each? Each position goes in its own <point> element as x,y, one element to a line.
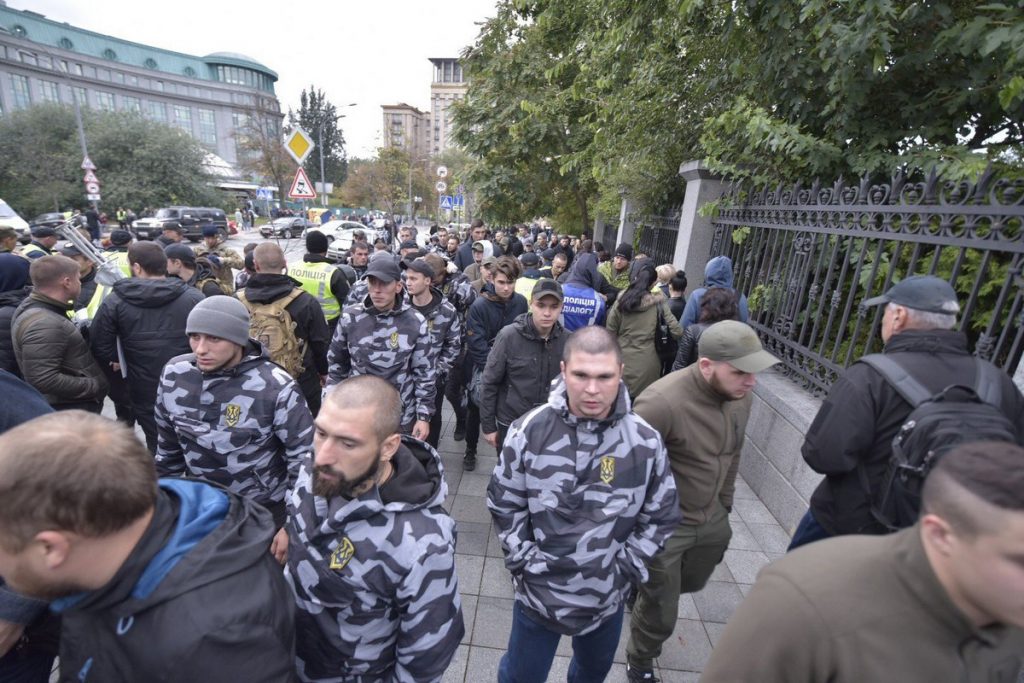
<point>120,240</point>
<point>44,239</point>
<point>93,293</point>
<point>320,278</point>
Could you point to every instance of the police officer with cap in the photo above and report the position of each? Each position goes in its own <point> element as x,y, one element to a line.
<point>44,239</point>
<point>323,280</point>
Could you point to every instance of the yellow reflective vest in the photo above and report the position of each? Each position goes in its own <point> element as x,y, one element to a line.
<point>121,259</point>
<point>315,278</point>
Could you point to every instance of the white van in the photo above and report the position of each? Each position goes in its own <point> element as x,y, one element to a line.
<point>9,219</point>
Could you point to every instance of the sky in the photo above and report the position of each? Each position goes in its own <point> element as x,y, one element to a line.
<point>371,52</point>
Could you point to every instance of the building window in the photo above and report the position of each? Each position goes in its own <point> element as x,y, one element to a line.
<point>104,74</point>
<point>207,127</point>
<point>19,87</point>
<point>133,80</point>
<point>119,77</point>
<point>19,30</point>
<point>26,57</point>
<point>150,63</point>
<point>158,86</point>
<point>81,96</point>
<point>48,91</point>
<point>78,69</point>
<point>158,111</point>
<point>239,121</point>
<point>129,103</point>
<point>105,100</point>
<point>110,54</point>
<point>183,118</point>
<point>190,72</point>
<point>66,44</point>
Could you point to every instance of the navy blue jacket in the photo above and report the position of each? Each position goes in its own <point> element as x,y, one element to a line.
<point>487,316</point>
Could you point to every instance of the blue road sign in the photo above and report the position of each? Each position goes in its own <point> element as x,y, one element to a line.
<point>460,200</point>
<point>262,193</point>
<point>446,201</point>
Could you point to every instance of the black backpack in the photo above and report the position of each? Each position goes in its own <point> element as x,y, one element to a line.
<point>936,424</point>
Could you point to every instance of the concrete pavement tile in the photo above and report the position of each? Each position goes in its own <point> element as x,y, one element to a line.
<point>494,545</point>
<point>456,671</point>
<point>493,625</point>
<point>687,608</point>
<point>474,484</point>
<point>745,564</point>
<point>482,664</point>
<point>771,537</point>
<point>744,491</point>
<point>687,649</point>
<point>717,601</point>
<point>753,512</point>
<point>472,537</point>
<point>468,616</point>
<point>469,509</point>
<point>745,588</point>
<point>741,537</point>
<point>721,573</point>
<point>496,581</point>
<point>714,631</point>
<point>469,568</point>
<point>670,676</point>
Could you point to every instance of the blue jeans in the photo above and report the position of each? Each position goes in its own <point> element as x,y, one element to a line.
<point>531,649</point>
<point>807,531</point>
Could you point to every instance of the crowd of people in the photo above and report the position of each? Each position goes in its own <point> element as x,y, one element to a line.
<point>282,516</point>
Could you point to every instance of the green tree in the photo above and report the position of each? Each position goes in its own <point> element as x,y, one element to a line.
<point>379,183</point>
<point>315,111</point>
<point>139,163</point>
<point>261,151</point>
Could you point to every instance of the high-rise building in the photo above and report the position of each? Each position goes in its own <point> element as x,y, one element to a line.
<point>406,127</point>
<point>209,97</point>
<point>447,86</point>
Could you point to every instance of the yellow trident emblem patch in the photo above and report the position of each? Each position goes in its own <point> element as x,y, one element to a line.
<point>607,469</point>
<point>342,554</point>
<point>394,340</point>
<point>231,414</point>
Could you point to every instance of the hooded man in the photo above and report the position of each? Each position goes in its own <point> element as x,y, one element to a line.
<point>717,273</point>
<point>583,305</point>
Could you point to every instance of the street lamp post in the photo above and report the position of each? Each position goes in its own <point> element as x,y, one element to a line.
<point>323,180</point>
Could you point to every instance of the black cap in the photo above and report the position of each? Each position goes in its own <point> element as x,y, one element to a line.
<point>529,259</point>
<point>408,244</point>
<point>316,242</point>
<point>548,254</point>
<point>420,266</point>
<point>180,252</point>
<point>70,250</point>
<point>546,287</point>
<point>120,238</point>
<point>210,231</point>
<point>625,251</point>
<point>44,231</point>
<point>922,293</point>
<point>384,269</point>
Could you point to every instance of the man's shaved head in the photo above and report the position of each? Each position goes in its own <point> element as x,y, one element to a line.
<point>370,391</point>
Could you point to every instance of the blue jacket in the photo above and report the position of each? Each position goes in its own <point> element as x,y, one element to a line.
<point>717,273</point>
<point>582,305</point>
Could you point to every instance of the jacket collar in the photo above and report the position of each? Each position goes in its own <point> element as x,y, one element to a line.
<point>50,302</point>
<point>703,386</point>
<point>929,341</point>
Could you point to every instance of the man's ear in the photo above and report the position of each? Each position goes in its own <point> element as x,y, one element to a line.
<point>389,447</point>
<point>937,534</point>
<point>55,547</point>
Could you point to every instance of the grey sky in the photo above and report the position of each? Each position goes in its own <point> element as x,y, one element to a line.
<point>372,52</point>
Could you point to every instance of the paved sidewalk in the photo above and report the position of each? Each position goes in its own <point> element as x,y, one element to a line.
<point>487,589</point>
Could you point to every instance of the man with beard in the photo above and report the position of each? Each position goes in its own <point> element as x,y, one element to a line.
<point>153,579</point>
<point>371,557</point>
<point>701,413</point>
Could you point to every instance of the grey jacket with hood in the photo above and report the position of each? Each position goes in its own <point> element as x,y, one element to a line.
<point>374,576</point>
<point>581,507</point>
<point>717,273</point>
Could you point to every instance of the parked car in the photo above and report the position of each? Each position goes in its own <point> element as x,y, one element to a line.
<point>191,219</point>
<point>9,218</point>
<point>207,215</point>
<point>283,227</point>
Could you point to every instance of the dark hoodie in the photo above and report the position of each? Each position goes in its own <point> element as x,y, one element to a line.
<point>374,576</point>
<point>519,371</point>
<point>199,598</point>
<point>204,280</point>
<point>717,273</point>
<point>9,302</point>
<point>13,272</point>
<point>149,317</point>
<point>308,316</point>
<point>582,304</point>
<point>486,317</point>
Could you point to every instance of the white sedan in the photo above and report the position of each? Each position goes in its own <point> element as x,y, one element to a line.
<point>341,232</point>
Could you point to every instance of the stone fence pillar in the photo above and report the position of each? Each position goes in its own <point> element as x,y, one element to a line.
<point>693,245</point>
<point>627,228</point>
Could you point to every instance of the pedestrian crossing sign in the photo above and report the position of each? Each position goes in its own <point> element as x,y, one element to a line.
<point>446,201</point>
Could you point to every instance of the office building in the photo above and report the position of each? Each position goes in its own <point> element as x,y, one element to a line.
<point>406,127</point>
<point>446,87</point>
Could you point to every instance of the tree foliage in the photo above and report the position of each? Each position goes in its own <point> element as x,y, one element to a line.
<point>383,182</point>
<point>139,163</point>
<point>261,151</point>
<point>573,102</point>
<point>315,111</point>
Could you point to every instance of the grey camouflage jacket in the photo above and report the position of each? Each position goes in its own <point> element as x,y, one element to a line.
<point>375,581</point>
<point>395,345</point>
<point>460,293</point>
<point>581,507</point>
<point>445,331</point>
<point>246,428</point>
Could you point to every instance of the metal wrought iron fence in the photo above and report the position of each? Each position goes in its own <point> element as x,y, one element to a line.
<point>807,258</point>
<point>656,235</point>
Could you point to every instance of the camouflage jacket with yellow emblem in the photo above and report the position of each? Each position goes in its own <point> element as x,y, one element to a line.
<point>445,329</point>
<point>581,506</point>
<point>374,576</point>
<point>246,428</point>
<point>394,345</point>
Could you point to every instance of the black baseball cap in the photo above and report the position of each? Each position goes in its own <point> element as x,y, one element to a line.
<point>419,265</point>
<point>384,269</point>
<point>408,244</point>
<point>180,252</point>
<point>44,231</point>
<point>529,259</point>
<point>546,287</point>
<point>922,293</point>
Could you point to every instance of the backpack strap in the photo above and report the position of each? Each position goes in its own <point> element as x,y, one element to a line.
<point>987,385</point>
<point>912,391</point>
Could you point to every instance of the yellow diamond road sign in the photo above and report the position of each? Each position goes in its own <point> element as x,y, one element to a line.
<point>299,145</point>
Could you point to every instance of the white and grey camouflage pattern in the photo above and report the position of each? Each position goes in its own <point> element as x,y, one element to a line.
<point>445,329</point>
<point>375,583</point>
<point>581,507</point>
<point>395,346</point>
<point>246,428</point>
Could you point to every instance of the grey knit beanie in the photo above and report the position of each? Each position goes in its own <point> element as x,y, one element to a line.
<point>220,316</point>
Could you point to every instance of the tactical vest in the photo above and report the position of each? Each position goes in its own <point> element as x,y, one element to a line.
<point>315,279</point>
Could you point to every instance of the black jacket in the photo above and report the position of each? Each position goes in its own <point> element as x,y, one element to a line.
<point>200,598</point>
<point>687,352</point>
<point>306,313</point>
<point>487,315</point>
<point>519,371</point>
<point>855,426</point>
<point>9,302</point>
<point>149,317</point>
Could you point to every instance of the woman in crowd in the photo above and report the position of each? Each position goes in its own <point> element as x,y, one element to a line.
<point>718,303</point>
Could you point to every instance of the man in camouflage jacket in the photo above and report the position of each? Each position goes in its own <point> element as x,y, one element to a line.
<point>227,414</point>
<point>583,498</point>
<point>384,336</point>
<point>372,551</point>
<point>222,257</point>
